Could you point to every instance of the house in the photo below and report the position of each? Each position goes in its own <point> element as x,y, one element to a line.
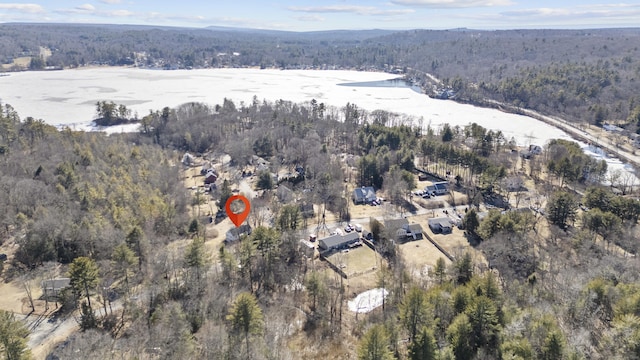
<point>441,188</point>
<point>414,231</point>
<point>237,232</point>
<point>396,227</point>
<point>210,177</point>
<point>364,195</point>
<point>53,287</point>
<point>440,225</point>
<point>337,241</point>
<point>403,230</point>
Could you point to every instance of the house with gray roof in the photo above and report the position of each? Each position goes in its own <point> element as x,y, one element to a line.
<point>237,232</point>
<point>364,195</point>
<point>440,225</point>
<point>52,288</point>
<point>337,241</point>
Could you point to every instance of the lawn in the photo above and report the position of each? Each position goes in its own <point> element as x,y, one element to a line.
<point>421,256</point>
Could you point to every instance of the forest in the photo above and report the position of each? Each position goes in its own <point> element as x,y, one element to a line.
<point>113,214</point>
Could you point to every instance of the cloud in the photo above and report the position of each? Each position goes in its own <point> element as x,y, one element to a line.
<point>111,1</point>
<point>23,8</point>
<point>85,8</point>
<point>309,18</point>
<point>581,16</point>
<point>586,11</point>
<point>118,13</point>
<point>453,3</point>
<point>352,9</point>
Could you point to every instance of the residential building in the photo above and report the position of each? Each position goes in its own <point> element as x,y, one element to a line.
<point>441,188</point>
<point>337,241</point>
<point>440,225</point>
<point>364,195</point>
<point>53,287</point>
<point>237,232</point>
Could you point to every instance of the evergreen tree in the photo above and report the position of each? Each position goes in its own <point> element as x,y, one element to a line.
<point>13,337</point>
<point>245,317</point>
<point>83,274</point>
<point>375,345</point>
<point>424,346</point>
<point>561,209</point>
<point>414,311</point>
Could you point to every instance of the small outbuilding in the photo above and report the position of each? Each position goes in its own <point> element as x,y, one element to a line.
<point>307,248</point>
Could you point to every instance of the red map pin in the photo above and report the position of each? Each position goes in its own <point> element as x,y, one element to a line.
<point>239,218</point>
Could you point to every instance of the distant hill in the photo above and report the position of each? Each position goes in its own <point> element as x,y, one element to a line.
<point>325,35</point>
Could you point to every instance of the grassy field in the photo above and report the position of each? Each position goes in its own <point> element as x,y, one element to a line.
<point>421,256</point>
<point>356,262</point>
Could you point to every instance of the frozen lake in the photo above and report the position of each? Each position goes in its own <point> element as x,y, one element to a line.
<point>68,97</point>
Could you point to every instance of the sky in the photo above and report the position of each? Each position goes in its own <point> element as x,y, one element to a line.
<point>304,15</point>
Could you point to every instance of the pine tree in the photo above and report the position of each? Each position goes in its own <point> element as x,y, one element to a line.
<point>245,317</point>
<point>424,346</point>
<point>13,337</point>
<point>375,345</point>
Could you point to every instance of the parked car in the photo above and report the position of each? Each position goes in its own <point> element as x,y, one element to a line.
<point>348,228</point>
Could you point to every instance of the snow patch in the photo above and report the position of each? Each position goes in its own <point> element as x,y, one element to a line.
<point>368,300</point>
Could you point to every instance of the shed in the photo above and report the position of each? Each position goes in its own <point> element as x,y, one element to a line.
<point>307,248</point>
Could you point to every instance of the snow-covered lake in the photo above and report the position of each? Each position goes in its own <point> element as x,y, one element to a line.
<point>68,97</point>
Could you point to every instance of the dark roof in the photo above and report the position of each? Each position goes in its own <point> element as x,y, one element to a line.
<point>395,224</point>
<point>440,221</point>
<point>56,284</point>
<point>415,228</point>
<point>241,230</point>
<point>440,186</point>
<point>339,240</point>
<point>363,193</point>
